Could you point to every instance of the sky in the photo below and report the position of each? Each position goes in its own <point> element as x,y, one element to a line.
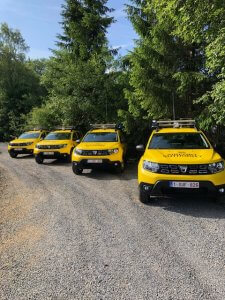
<point>38,22</point>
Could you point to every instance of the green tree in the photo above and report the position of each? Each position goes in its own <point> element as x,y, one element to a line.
<point>166,69</point>
<point>81,78</point>
<point>19,85</point>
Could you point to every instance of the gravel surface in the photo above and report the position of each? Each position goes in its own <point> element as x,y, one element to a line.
<point>87,237</point>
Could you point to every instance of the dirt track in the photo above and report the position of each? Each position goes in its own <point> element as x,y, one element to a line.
<point>88,237</point>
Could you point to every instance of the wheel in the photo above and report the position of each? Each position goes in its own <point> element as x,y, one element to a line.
<point>144,197</point>
<point>69,156</point>
<point>220,199</point>
<point>39,159</point>
<point>13,154</point>
<point>77,171</point>
<point>120,168</point>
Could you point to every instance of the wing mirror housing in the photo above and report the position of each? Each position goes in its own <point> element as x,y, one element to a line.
<point>140,148</point>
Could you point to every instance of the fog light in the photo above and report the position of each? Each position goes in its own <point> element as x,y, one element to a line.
<point>146,187</point>
<point>116,164</point>
<point>222,190</point>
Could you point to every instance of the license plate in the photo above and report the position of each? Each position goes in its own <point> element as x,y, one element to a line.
<point>95,161</point>
<point>184,184</point>
<point>18,149</point>
<point>48,153</point>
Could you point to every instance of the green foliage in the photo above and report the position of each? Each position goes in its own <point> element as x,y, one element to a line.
<point>165,68</point>
<point>84,82</point>
<point>19,85</point>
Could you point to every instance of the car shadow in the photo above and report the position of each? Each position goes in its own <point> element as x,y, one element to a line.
<point>129,173</point>
<point>57,163</point>
<point>195,207</point>
<point>25,156</point>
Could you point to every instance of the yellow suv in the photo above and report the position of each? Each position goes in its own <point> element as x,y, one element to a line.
<point>104,145</point>
<point>179,159</point>
<point>26,142</point>
<point>57,144</point>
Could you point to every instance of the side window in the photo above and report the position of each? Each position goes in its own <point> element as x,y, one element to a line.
<point>43,135</point>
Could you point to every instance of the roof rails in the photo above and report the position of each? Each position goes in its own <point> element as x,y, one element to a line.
<point>182,123</point>
<point>107,126</point>
<point>103,126</point>
<point>65,128</point>
<point>37,129</point>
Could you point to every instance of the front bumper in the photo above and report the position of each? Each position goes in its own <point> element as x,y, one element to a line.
<point>21,150</point>
<point>162,188</point>
<point>53,154</point>
<point>85,164</point>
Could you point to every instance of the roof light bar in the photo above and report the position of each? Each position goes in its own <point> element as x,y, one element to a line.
<point>65,128</point>
<point>104,126</point>
<point>182,123</point>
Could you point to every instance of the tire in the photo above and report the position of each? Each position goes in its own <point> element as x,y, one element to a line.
<point>144,197</point>
<point>77,171</point>
<point>13,154</point>
<point>220,199</point>
<point>39,159</point>
<point>69,156</point>
<point>120,169</point>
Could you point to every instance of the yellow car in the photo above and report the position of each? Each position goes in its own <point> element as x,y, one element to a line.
<point>104,145</point>
<point>57,144</point>
<point>26,142</point>
<point>179,159</point>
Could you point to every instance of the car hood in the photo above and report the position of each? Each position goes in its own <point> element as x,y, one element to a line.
<point>97,146</point>
<point>53,142</point>
<point>182,156</point>
<point>24,141</point>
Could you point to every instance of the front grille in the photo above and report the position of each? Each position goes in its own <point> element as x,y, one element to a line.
<point>18,144</point>
<point>95,152</point>
<point>184,169</point>
<point>49,146</point>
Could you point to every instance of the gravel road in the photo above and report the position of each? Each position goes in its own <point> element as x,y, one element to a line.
<point>87,237</point>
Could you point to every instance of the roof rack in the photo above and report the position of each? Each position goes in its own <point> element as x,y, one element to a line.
<point>65,128</point>
<point>107,126</point>
<point>36,129</point>
<point>103,126</point>
<point>182,123</point>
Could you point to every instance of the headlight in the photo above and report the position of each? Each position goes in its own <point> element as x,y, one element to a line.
<point>78,151</point>
<point>37,146</point>
<point>111,151</point>
<point>10,144</point>
<point>151,166</point>
<point>216,167</point>
<point>62,146</point>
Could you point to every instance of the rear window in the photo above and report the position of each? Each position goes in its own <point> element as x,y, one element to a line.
<point>101,137</point>
<point>178,141</point>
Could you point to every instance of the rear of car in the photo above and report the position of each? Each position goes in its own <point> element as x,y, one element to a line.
<point>103,146</point>
<point>25,143</point>
<point>57,144</point>
<point>180,160</point>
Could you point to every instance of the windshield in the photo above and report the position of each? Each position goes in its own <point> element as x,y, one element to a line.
<point>29,135</point>
<point>58,136</point>
<point>101,137</point>
<point>178,141</point>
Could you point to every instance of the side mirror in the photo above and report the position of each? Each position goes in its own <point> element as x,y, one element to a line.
<point>140,148</point>
<point>77,141</point>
